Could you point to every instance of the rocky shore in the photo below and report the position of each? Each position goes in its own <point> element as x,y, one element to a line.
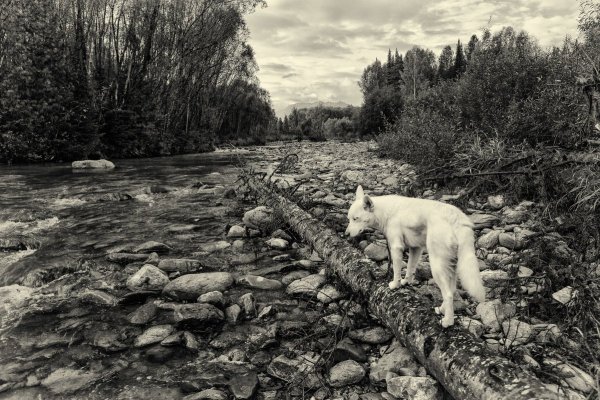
<point>255,314</point>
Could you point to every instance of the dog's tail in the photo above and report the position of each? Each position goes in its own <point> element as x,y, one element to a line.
<point>467,266</point>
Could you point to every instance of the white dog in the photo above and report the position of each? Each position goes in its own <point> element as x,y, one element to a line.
<point>412,223</point>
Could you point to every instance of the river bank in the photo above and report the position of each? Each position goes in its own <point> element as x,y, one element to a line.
<point>247,310</point>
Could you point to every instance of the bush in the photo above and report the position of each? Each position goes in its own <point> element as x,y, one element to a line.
<point>420,137</point>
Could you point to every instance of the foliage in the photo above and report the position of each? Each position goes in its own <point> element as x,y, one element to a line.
<point>380,106</point>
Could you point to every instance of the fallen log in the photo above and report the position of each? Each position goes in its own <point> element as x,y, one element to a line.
<point>458,360</point>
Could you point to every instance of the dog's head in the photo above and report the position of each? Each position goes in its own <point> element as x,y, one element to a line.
<point>360,214</point>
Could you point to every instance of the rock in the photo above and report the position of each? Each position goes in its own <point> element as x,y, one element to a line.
<point>213,247</point>
<point>259,218</point>
<point>152,247</point>
<point>148,277</point>
<point>126,258</point>
<point>92,164</point>
<point>488,240</point>
<point>346,373</point>
<point>143,314</point>
<point>182,265</point>
<point>107,340</point>
<point>390,181</point>
<point>98,297</point>
<point>329,293</point>
<point>184,338</point>
<point>571,375</point>
<point>66,380</point>
<point>524,272</point>
<point>514,216</point>
<point>232,313</point>
<point>515,240</point>
<point>236,231</point>
<point>565,295</point>
<point>293,276</point>
<point>281,234</point>
<point>414,387</point>
<point>296,370</point>
<point>215,298</point>
<point>494,312</point>
<point>371,335</point>
<point>197,315</point>
<point>355,177</point>
<point>154,334</point>
<point>153,259</point>
<point>376,251</point>
<point>159,354</point>
<point>394,360</point>
<point>306,286</point>
<point>208,394</point>
<point>496,202</point>
<point>493,278</point>
<point>189,287</point>
<point>472,325</point>
<point>332,200</point>
<point>258,282</point>
<point>243,386</point>
<point>278,244</point>
<point>481,221</point>
<point>346,349</point>
<point>13,297</point>
<point>517,332</point>
<point>248,304</point>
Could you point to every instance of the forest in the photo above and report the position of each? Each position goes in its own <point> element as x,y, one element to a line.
<point>126,78</point>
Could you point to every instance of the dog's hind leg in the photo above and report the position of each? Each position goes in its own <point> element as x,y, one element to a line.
<point>414,255</point>
<point>440,250</point>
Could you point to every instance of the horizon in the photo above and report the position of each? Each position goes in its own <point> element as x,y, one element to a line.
<point>315,52</point>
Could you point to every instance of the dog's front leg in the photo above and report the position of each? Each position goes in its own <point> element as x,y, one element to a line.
<point>414,254</point>
<point>396,250</point>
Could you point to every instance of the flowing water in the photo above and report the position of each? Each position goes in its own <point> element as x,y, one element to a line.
<point>51,215</point>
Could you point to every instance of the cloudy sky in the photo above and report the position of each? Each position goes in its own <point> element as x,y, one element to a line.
<point>310,50</point>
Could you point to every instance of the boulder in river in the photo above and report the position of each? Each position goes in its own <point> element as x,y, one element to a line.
<point>152,247</point>
<point>148,277</point>
<point>92,164</point>
<point>260,218</point>
<point>190,287</point>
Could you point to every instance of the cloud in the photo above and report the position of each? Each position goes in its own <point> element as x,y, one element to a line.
<point>317,49</point>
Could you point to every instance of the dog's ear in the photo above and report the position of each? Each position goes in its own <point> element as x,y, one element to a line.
<point>359,192</point>
<point>368,203</point>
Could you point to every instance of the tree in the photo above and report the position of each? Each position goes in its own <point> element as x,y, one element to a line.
<point>471,46</point>
<point>380,106</point>
<point>460,63</point>
<point>419,71</point>
<point>446,68</point>
<point>372,78</point>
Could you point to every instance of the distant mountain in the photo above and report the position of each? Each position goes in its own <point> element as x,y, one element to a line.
<point>300,106</point>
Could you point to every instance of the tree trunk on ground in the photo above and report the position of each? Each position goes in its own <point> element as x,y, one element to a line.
<point>458,360</point>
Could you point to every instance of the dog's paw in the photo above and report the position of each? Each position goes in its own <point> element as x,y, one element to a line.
<point>394,285</point>
<point>446,322</point>
<point>404,282</point>
<point>438,310</point>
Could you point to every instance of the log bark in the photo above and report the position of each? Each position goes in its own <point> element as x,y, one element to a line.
<point>458,360</point>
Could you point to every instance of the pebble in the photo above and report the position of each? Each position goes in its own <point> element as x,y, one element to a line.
<point>148,277</point>
<point>346,373</point>
<point>371,335</point>
<point>154,334</point>
<point>306,286</point>
<point>494,312</point>
<point>189,287</point>
<point>376,252</point>
<point>152,247</point>
<point>258,282</point>
<point>215,298</point>
<point>414,387</point>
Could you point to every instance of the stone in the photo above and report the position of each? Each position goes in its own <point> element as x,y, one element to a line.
<point>243,386</point>
<point>232,313</point>
<point>329,293</point>
<point>376,252</point>
<point>185,339</point>
<point>159,354</point>
<point>143,314</point>
<point>109,341</point>
<point>346,373</point>
<point>565,295</point>
<point>492,278</point>
<point>488,240</point>
<point>154,334</point>
<point>197,315</point>
<point>346,349</point>
<point>258,282</point>
<point>281,234</point>
<point>152,247</point>
<point>14,297</point>
<point>515,240</point>
<point>248,304</point>
<point>182,265</point>
<point>214,247</point>
<point>414,387</point>
<point>514,216</point>
<point>98,297</point>
<point>306,286</point>
<point>278,244</point>
<point>148,277</point>
<point>65,381</point>
<point>189,287</point>
<point>259,218</point>
<point>524,272</point>
<point>371,335</point>
<point>296,370</point>
<point>293,276</point>
<point>215,298</point>
<point>236,231</point>
<point>517,332</point>
<point>472,325</point>
<point>92,164</point>
<point>394,360</point>
<point>494,312</point>
<point>126,258</point>
<point>208,394</point>
<point>481,221</point>
<point>571,375</point>
<point>496,202</point>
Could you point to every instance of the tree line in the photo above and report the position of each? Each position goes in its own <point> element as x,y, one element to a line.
<point>318,123</point>
<point>126,78</point>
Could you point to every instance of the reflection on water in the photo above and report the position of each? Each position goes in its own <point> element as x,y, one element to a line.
<point>86,213</point>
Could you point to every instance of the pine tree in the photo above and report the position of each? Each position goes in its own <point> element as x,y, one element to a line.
<point>460,63</point>
<point>471,46</point>
<point>446,64</point>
